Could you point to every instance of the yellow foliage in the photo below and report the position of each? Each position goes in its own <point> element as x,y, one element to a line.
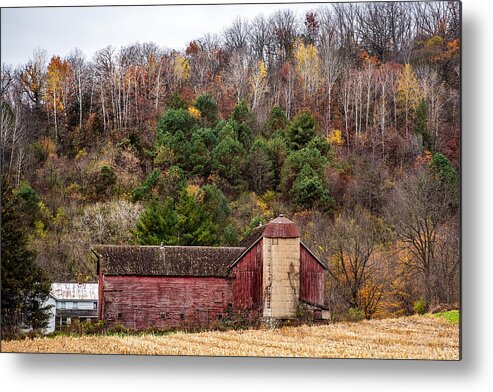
<point>40,228</point>
<point>81,154</point>
<point>196,192</point>
<point>424,160</point>
<point>182,68</point>
<point>48,147</point>
<point>262,69</point>
<point>58,74</point>
<point>258,82</point>
<point>335,138</point>
<point>434,42</point>
<point>262,206</point>
<point>194,112</point>
<point>408,89</point>
<point>307,63</point>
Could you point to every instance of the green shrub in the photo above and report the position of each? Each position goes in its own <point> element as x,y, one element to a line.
<point>355,314</point>
<point>420,306</point>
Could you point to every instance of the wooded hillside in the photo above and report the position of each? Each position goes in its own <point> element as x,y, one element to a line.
<point>346,119</point>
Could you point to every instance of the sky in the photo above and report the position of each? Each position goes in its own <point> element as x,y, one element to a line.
<point>59,30</point>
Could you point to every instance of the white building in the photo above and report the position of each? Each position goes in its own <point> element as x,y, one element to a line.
<point>70,301</point>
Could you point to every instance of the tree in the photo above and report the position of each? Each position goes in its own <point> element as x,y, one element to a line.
<point>417,210</point>
<point>144,190</point>
<point>108,222</point>
<point>355,236</point>
<point>25,286</point>
<point>181,70</point>
<point>420,126</point>
<point>104,182</point>
<point>195,224</point>
<point>228,157</point>
<point>331,65</point>
<point>302,129</point>
<point>276,121</point>
<point>208,110</point>
<point>408,93</point>
<point>175,120</point>
<point>309,190</point>
<point>200,152</point>
<point>258,169</point>
<point>157,224</point>
<point>57,81</point>
<point>190,220</point>
<point>258,83</point>
<point>308,67</point>
<point>296,161</point>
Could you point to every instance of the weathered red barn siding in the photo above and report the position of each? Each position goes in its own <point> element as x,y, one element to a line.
<point>139,302</point>
<point>247,282</point>
<point>311,278</point>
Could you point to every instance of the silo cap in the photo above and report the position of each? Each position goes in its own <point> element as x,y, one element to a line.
<point>281,227</point>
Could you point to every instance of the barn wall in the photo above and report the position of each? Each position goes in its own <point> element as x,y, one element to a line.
<point>247,282</point>
<point>140,302</point>
<point>311,278</point>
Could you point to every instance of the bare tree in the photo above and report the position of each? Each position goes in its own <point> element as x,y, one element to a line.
<point>284,30</point>
<point>418,209</point>
<point>260,39</point>
<point>237,75</point>
<point>236,36</point>
<point>77,62</point>
<point>331,62</point>
<point>354,237</point>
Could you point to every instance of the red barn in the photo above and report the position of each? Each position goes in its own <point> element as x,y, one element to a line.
<point>267,277</point>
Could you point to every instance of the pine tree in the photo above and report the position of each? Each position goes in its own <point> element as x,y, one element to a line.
<point>302,130</point>
<point>420,127</point>
<point>25,286</point>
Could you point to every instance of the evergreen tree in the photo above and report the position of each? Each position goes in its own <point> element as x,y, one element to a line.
<point>175,120</point>
<point>228,155</point>
<point>195,225</point>
<point>144,190</point>
<point>200,157</point>
<point>302,130</point>
<point>157,224</point>
<point>309,190</point>
<point>420,127</point>
<point>208,110</point>
<point>296,161</point>
<point>277,121</point>
<point>25,286</point>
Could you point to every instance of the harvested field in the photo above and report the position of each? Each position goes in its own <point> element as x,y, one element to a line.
<point>416,337</point>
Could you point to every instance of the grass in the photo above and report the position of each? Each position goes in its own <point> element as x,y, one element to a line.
<point>414,337</point>
<point>452,316</point>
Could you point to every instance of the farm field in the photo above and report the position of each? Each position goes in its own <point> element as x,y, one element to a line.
<point>415,337</point>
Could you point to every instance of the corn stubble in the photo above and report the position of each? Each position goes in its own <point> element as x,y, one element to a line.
<point>415,337</point>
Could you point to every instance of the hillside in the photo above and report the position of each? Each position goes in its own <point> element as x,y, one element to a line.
<point>349,129</point>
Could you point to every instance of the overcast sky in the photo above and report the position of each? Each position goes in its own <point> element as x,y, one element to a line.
<point>59,30</point>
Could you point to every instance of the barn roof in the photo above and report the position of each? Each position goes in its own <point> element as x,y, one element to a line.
<point>74,291</point>
<point>253,237</point>
<point>166,260</point>
<point>279,227</point>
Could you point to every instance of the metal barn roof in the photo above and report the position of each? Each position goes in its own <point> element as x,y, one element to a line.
<point>74,291</point>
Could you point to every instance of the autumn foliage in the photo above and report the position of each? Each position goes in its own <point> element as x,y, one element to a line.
<point>350,128</point>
